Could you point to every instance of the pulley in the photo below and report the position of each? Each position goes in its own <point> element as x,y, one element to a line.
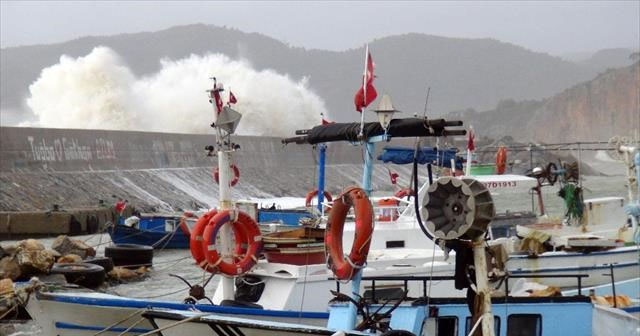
<point>457,208</point>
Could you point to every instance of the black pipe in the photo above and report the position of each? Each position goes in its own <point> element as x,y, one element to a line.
<point>415,197</point>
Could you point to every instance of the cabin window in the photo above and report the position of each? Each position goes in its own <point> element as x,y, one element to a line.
<point>496,325</point>
<point>524,325</point>
<point>395,243</point>
<point>169,225</point>
<point>447,326</point>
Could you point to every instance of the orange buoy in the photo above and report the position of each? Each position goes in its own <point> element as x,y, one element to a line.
<point>234,180</point>
<point>314,193</point>
<point>247,233</point>
<point>344,268</point>
<point>501,160</point>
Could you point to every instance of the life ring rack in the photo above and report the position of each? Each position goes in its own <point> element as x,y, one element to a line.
<point>234,180</point>
<point>248,242</point>
<point>345,267</point>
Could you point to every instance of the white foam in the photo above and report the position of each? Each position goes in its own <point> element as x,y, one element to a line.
<point>98,91</point>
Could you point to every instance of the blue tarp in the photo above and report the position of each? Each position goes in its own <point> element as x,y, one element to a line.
<point>404,155</point>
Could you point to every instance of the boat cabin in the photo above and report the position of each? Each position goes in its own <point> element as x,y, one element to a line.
<point>434,316</point>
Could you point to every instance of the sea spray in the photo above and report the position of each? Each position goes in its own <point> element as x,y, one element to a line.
<point>87,92</point>
<point>99,91</point>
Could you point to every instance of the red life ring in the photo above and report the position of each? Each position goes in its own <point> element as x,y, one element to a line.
<point>247,233</point>
<point>404,192</point>
<point>314,193</point>
<point>234,180</point>
<point>195,239</point>
<point>344,268</point>
<point>501,160</point>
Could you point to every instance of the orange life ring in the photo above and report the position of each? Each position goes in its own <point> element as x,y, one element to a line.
<point>247,233</point>
<point>344,268</point>
<point>501,160</point>
<point>404,192</point>
<point>314,193</point>
<point>195,239</point>
<point>234,180</point>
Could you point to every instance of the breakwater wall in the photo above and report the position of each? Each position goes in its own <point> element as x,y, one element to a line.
<point>160,171</point>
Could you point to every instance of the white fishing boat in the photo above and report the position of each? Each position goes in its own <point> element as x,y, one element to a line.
<point>400,315</point>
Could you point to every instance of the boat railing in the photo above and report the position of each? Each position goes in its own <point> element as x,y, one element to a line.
<point>425,279</point>
<point>543,276</point>
<point>384,211</point>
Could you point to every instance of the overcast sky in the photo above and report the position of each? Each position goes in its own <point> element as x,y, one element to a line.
<point>555,27</point>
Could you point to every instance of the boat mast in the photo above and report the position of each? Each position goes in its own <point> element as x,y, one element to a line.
<point>224,150</point>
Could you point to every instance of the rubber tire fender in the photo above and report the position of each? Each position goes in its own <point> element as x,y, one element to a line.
<point>82,274</point>
<point>105,262</point>
<point>130,255</point>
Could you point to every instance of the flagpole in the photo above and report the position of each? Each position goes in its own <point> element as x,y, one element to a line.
<point>364,88</point>
<point>471,137</point>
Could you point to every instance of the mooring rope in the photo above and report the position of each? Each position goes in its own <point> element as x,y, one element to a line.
<point>188,319</point>
<point>108,328</point>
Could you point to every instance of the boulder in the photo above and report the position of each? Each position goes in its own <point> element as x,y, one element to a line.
<point>33,258</point>
<point>69,258</point>
<point>54,253</point>
<point>66,245</point>
<point>29,244</point>
<point>9,268</point>
<point>6,288</point>
<point>8,250</point>
<point>121,273</point>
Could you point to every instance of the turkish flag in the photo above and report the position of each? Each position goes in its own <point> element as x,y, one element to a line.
<point>232,98</point>
<point>393,176</point>
<point>471,146</point>
<point>215,95</point>
<point>360,100</point>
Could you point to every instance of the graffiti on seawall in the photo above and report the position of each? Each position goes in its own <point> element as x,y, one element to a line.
<point>63,149</point>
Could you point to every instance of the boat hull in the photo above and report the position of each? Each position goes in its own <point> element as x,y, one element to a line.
<point>597,265</point>
<point>219,325</point>
<point>85,314</point>
<point>158,239</point>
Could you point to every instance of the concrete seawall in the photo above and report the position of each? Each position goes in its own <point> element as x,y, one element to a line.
<point>159,171</point>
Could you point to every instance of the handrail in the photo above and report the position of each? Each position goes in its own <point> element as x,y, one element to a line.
<point>425,279</point>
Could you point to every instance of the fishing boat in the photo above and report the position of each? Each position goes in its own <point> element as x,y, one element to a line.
<point>424,315</point>
<point>602,242</point>
<point>549,316</point>
<point>154,229</point>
